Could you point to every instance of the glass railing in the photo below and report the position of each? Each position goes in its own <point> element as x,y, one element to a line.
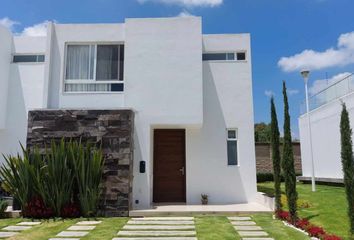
<point>330,93</point>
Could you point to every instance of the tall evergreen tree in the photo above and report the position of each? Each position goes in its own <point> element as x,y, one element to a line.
<point>274,139</point>
<point>347,163</point>
<point>288,161</point>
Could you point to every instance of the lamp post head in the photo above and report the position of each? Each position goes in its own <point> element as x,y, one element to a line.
<point>305,74</point>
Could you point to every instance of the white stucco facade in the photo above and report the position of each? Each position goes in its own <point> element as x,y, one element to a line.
<point>325,129</point>
<point>167,85</point>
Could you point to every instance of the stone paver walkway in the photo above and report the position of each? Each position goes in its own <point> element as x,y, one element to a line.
<point>76,231</point>
<point>158,228</point>
<point>12,230</point>
<point>248,229</point>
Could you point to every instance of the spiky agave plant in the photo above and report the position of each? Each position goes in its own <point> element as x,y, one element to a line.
<point>88,168</point>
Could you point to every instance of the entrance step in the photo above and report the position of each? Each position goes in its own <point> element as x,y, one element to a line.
<point>156,238</point>
<point>160,222</point>
<point>164,219</point>
<point>252,233</point>
<point>248,228</point>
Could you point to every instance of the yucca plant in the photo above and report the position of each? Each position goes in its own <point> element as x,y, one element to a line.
<point>17,175</point>
<point>88,167</point>
<point>55,179</point>
<point>3,206</point>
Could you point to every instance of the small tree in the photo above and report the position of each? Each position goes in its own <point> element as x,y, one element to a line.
<point>274,139</point>
<point>288,161</point>
<point>347,163</point>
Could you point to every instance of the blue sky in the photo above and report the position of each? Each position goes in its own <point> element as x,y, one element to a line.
<point>279,28</point>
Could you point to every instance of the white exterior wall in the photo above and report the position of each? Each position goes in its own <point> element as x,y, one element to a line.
<point>227,90</point>
<point>163,73</point>
<point>25,92</point>
<point>167,85</point>
<point>5,59</point>
<point>325,123</point>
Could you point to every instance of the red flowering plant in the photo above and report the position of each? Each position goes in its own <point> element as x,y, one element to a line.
<point>315,231</point>
<point>70,210</point>
<point>303,224</point>
<point>283,215</point>
<point>36,208</point>
<point>331,237</point>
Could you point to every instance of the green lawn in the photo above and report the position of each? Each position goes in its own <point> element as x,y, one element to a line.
<point>207,227</point>
<point>327,206</point>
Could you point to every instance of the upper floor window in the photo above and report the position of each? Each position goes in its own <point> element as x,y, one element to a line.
<point>26,58</point>
<point>94,68</point>
<point>238,56</point>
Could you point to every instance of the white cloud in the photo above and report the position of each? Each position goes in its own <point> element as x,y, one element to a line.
<point>185,13</point>
<point>292,92</point>
<point>269,93</point>
<point>341,55</point>
<point>187,3</point>
<point>9,23</point>
<point>36,30</point>
<point>321,84</point>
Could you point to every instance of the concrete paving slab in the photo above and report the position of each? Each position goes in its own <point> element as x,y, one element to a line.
<point>80,228</point>
<point>157,233</point>
<point>156,238</point>
<point>151,222</point>
<point>239,218</point>
<point>243,223</point>
<point>257,238</point>
<point>16,228</point>
<point>252,233</point>
<point>72,234</point>
<point>28,223</point>
<point>248,228</point>
<point>88,222</point>
<point>164,219</point>
<point>64,238</point>
<point>7,234</point>
<point>158,227</point>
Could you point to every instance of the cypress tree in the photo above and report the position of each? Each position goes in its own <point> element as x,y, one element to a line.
<point>347,163</point>
<point>288,161</point>
<point>274,139</point>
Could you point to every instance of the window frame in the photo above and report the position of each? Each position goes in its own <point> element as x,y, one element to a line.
<point>94,80</point>
<point>226,53</point>
<point>235,139</point>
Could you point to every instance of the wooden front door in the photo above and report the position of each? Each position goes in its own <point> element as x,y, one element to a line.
<point>169,165</point>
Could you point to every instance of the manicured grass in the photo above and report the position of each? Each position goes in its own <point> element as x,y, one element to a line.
<point>207,227</point>
<point>328,206</point>
<point>220,228</point>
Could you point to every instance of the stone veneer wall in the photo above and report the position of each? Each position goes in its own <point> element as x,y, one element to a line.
<point>112,129</point>
<point>264,161</point>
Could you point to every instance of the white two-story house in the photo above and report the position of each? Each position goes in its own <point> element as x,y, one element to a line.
<point>191,95</point>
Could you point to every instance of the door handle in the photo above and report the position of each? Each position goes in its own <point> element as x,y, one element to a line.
<point>182,171</point>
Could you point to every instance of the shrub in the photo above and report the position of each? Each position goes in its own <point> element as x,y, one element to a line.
<point>3,206</point>
<point>88,168</point>
<point>71,210</point>
<point>36,208</point>
<point>315,231</point>
<point>283,215</point>
<point>302,224</point>
<point>331,237</point>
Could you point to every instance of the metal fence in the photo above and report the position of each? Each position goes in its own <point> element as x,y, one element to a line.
<point>330,93</point>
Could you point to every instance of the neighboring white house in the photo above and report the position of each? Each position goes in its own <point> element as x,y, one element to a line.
<point>326,107</point>
<point>165,70</point>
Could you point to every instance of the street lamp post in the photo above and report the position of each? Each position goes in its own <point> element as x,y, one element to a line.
<point>305,74</point>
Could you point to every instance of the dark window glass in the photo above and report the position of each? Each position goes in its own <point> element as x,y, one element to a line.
<point>107,62</point>
<point>232,152</point>
<point>241,56</point>
<point>231,56</point>
<point>121,62</point>
<point>28,58</point>
<point>117,87</point>
<point>231,134</point>
<point>214,56</point>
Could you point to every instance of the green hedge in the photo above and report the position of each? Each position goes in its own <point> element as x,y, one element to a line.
<point>269,177</point>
